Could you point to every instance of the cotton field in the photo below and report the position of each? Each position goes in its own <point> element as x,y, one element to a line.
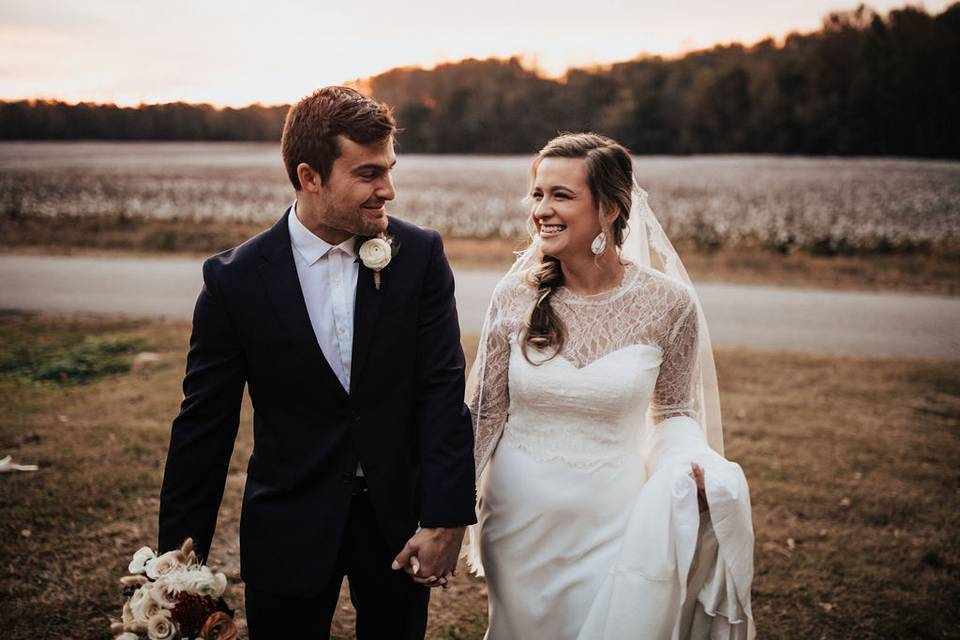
<point>817,204</point>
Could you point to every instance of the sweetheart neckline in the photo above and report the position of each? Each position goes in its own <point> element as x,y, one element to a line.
<point>562,357</point>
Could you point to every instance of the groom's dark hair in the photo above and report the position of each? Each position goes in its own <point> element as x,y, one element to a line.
<point>313,124</point>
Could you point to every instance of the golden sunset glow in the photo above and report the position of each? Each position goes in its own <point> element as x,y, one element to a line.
<point>231,53</point>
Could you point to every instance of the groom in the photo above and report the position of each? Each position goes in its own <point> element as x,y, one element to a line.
<point>362,462</point>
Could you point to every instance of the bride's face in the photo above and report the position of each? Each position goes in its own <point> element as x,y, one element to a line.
<point>564,212</point>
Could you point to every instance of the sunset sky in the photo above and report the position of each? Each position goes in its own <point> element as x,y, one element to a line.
<point>236,53</point>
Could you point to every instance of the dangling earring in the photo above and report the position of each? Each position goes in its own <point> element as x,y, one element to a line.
<point>599,244</point>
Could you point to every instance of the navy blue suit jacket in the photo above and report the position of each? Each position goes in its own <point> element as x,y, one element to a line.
<point>404,419</point>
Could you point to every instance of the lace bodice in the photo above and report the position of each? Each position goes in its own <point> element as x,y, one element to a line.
<point>626,350</point>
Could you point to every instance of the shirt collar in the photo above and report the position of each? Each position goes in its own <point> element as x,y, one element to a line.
<point>311,247</point>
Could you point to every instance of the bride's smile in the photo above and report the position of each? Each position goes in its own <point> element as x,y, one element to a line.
<point>562,207</point>
<point>551,230</point>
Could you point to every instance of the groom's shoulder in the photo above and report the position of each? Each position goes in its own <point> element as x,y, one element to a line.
<point>412,236</point>
<point>241,258</point>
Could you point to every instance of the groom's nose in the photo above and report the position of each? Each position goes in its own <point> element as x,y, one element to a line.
<point>385,190</point>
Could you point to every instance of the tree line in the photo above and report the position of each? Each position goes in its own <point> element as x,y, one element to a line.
<point>863,84</point>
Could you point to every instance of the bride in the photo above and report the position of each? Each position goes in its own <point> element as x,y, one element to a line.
<point>606,509</point>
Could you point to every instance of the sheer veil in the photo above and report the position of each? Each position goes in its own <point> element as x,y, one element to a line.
<point>647,245</point>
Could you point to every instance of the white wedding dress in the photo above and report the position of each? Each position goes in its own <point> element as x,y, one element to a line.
<point>588,520</point>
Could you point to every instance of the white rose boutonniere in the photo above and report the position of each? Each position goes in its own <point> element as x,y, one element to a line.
<point>376,254</point>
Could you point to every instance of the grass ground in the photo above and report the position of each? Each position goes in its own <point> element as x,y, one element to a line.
<point>853,465</point>
<point>936,271</point>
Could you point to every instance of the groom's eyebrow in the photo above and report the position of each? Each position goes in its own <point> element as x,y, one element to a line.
<point>374,166</point>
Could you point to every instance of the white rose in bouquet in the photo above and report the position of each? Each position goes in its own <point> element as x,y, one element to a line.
<point>162,565</point>
<point>142,604</point>
<point>161,627</point>
<point>203,582</point>
<point>126,635</point>
<point>140,560</point>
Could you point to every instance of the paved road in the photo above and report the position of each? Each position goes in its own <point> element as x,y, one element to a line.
<point>761,317</point>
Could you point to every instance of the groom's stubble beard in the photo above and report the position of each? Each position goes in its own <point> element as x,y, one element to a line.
<point>350,218</point>
<point>359,221</point>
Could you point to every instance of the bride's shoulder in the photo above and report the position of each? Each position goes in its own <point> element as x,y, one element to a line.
<point>511,298</point>
<point>513,286</point>
<point>649,284</point>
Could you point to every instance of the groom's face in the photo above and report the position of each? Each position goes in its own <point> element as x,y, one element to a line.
<point>353,199</point>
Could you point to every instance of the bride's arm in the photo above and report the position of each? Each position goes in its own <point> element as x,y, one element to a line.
<point>488,389</point>
<point>673,393</point>
<point>725,536</point>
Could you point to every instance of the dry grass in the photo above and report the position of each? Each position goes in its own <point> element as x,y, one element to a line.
<point>852,464</point>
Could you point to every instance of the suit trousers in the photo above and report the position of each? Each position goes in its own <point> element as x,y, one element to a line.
<point>388,603</point>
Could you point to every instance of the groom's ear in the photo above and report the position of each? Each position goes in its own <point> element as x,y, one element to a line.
<point>310,180</point>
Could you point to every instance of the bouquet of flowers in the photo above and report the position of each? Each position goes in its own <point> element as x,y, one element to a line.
<point>173,596</point>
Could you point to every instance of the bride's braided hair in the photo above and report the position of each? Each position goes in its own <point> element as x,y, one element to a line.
<point>610,178</point>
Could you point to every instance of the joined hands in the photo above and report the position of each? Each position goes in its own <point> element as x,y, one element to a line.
<point>430,555</point>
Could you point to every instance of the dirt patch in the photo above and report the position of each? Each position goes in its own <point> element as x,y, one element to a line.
<point>852,464</point>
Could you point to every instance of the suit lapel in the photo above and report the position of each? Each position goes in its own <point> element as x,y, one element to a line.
<point>278,273</point>
<point>366,312</point>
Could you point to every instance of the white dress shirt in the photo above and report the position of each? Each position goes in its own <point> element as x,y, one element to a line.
<point>328,278</point>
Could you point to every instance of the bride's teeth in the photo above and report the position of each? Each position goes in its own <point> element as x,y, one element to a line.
<point>552,228</point>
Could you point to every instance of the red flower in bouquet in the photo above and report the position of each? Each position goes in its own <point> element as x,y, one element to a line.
<point>191,612</point>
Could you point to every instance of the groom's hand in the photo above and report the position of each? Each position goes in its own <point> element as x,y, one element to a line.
<point>430,555</point>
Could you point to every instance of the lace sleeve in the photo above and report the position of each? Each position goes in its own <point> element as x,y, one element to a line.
<point>489,398</point>
<point>673,394</point>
